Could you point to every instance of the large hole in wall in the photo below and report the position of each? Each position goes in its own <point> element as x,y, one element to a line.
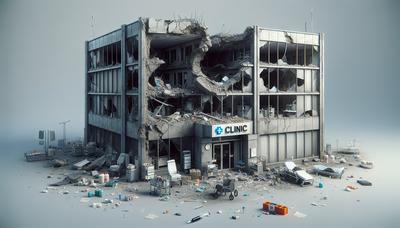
<point>176,51</point>
<point>288,53</point>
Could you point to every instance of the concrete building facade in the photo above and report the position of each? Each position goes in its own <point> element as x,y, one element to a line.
<point>160,89</point>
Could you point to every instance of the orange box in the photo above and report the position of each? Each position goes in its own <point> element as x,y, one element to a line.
<point>266,205</point>
<point>275,208</point>
<point>281,210</point>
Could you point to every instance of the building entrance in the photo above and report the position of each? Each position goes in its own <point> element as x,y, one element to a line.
<point>224,155</point>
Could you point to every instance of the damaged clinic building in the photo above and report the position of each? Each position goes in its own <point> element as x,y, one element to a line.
<point>166,89</point>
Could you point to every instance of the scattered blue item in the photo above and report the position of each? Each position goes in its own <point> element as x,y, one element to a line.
<point>90,194</point>
<point>200,189</point>
<point>320,185</point>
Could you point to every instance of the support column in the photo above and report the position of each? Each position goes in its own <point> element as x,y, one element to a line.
<point>123,89</point>
<point>256,96</point>
<point>86,127</point>
<point>321,95</point>
<point>142,152</point>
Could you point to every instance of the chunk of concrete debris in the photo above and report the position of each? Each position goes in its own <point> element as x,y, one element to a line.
<point>44,191</point>
<point>178,214</point>
<point>81,164</point>
<point>164,198</point>
<point>315,159</point>
<point>219,212</point>
<point>235,217</point>
<point>364,182</point>
<point>343,160</point>
<point>70,179</point>
<point>59,163</point>
<point>367,164</point>
<point>151,216</point>
<point>108,201</point>
<point>84,200</point>
<point>299,215</point>
<point>96,205</point>
<point>96,164</point>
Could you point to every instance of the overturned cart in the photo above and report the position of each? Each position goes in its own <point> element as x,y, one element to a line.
<point>227,186</point>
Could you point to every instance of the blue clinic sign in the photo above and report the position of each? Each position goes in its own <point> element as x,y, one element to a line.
<point>220,130</point>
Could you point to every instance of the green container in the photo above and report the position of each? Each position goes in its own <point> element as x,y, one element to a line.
<point>98,193</point>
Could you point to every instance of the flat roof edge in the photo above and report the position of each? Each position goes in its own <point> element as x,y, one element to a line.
<point>284,30</point>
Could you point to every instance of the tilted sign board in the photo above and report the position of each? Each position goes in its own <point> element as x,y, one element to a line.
<point>231,129</point>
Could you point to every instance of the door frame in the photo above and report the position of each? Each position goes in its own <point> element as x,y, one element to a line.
<point>231,154</point>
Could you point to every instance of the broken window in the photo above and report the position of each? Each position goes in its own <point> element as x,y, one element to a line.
<point>273,52</point>
<point>162,150</point>
<point>132,50</point>
<point>287,80</point>
<point>300,80</point>
<point>308,105</point>
<point>278,53</point>
<point>301,54</point>
<point>290,56</point>
<point>228,106</point>
<point>273,80</point>
<point>245,107</point>
<point>132,84</point>
<point>105,56</point>
<point>90,105</point>
<point>300,105</point>
<point>264,52</point>
<point>206,104</point>
<point>90,83</point>
<point>272,110</point>
<point>133,105</point>
<point>287,106</point>
<point>216,105</point>
<point>268,106</point>
<point>263,83</point>
<point>92,60</point>
<point>191,104</point>
<point>111,106</point>
<point>311,105</point>
<point>312,55</point>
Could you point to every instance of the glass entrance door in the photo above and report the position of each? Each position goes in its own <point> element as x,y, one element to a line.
<point>223,155</point>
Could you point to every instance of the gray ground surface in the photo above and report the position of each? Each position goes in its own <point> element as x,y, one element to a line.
<point>23,204</point>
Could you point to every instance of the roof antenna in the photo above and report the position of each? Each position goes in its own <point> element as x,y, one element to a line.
<point>311,22</point>
<point>92,26</point>
<point>311,25</point>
